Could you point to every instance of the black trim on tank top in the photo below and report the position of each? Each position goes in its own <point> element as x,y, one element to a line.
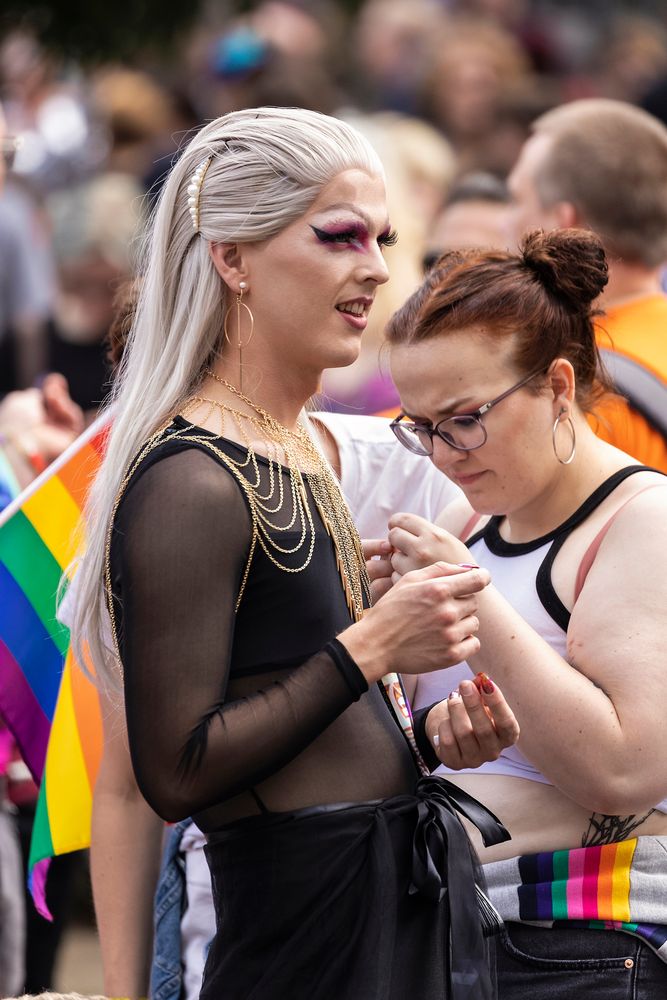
<point>496,544</point>
<point>476,536</point>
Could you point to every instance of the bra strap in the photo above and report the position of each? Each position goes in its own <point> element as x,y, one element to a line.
<point>474,519</point>
<point>592,550</point>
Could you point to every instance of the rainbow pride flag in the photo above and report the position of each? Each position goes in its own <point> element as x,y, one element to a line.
<point>48,703</point>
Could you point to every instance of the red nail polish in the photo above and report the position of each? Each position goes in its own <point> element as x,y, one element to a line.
<point>487,685</point>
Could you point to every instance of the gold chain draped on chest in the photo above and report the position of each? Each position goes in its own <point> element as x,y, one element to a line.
<point>268,496</point>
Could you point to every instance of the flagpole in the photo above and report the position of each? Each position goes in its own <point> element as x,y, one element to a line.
<point>98,425</point>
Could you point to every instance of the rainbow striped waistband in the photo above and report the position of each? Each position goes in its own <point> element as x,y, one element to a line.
<point>621,886</point>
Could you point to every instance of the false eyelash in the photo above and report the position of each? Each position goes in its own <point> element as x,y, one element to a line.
<point>350,235</point>
<point>344,236</point>
<point>389,239</point>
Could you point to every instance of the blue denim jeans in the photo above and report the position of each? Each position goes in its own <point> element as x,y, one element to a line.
<point>170,901</point>
<point>538,963</point>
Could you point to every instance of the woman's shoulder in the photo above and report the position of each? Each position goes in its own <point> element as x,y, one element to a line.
<point>642,501</point>
<point>638,488</point>
<point>460,519</point>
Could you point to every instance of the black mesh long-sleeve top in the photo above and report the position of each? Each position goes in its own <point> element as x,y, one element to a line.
<point>232,711</point>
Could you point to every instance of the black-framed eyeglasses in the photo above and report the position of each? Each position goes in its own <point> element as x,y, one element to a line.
<point>464,431</point>
<point>9,147</point>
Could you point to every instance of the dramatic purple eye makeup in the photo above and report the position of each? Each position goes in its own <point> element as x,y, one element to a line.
<point>353,235</point>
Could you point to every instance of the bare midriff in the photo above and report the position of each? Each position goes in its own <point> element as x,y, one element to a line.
<point>540,818</point>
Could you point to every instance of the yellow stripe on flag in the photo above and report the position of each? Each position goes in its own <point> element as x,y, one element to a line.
<point>620,893</point>
<point>54,515</point>
<point>68,793</point>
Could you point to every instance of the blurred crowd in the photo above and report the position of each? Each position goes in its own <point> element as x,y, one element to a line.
<point>445,89</point>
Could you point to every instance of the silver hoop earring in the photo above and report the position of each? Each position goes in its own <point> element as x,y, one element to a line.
<point>573,449</point>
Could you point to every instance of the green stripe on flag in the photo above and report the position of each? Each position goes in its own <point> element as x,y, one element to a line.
<point>41,844</point>
<point>36,571</point>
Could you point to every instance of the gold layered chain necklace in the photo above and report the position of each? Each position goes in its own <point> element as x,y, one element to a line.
<point>296,451</point>
<point>288,451</point>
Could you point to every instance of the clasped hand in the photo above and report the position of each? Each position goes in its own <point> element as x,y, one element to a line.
<point>475,723</point>
<point>412,543</point>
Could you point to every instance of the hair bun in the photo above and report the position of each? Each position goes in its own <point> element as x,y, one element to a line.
<point>569,263</point>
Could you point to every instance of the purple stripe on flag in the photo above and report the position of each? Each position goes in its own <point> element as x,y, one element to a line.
<point>37,886</point>
<point>23,713</point>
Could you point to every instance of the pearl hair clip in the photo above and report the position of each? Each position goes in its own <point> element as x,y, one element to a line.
<point>194,190</point>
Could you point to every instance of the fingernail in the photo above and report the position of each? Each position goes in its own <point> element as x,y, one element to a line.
<point>468,566</point>
<point>487,685</point>
<point>454,696</point>
<point>436,740</point>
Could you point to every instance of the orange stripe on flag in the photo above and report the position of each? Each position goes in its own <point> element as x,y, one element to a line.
<point>78,473</point>
<point>86,704</point>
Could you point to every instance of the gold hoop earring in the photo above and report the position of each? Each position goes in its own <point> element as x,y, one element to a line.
<point>573,449</point>
<point>240,304</point>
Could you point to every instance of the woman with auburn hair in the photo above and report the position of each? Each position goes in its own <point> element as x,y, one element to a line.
<point>221,548</point>
<point>496,365</point>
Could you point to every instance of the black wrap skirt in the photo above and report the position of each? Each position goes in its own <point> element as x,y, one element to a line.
<point>363,901</point>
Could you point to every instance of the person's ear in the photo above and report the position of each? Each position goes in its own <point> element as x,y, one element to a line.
<point>562,383</point>
<point>229,263</point>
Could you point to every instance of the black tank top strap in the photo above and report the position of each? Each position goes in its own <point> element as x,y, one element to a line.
<point>482,533</point>
<point>545,590</point>
<point>604,490</point>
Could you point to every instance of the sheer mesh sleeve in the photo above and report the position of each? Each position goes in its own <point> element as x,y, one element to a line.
<point>180,546</point>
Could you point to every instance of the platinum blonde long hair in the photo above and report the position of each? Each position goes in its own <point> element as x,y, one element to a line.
<point>268,166</point>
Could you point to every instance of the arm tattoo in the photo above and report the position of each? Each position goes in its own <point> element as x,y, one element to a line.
<point>603,829</point>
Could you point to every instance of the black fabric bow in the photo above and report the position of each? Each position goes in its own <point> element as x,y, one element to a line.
<point>443,862</point>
